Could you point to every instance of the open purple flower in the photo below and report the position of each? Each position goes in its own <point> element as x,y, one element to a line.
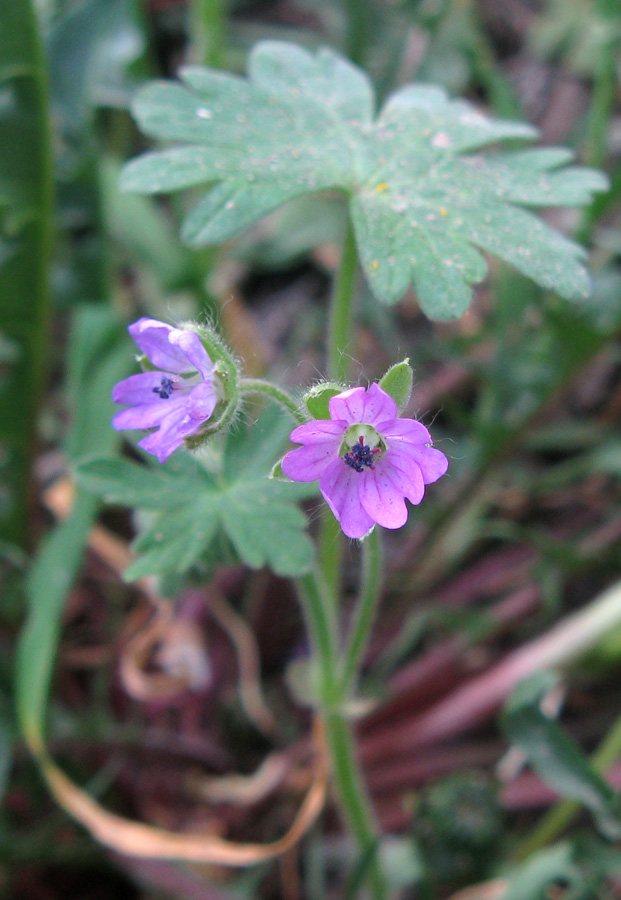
<point>178,398</point>
<point>368,460</point>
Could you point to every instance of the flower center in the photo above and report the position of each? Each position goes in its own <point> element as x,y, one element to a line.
<point>360,455</point>
<point>359,450</point>
<point>165,388</point>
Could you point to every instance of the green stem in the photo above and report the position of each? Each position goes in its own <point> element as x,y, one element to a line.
<point>366,608</point>
<point>563,814</point>
<point>340,319</point>
<point>339,339</point>
<point>485,65</point>
<point>25,276</point>
<point>330,551</point>
<point>321,628</point>
<point>208,25</point>
<point>345,769</point>
<point>602,100</point>
<point>353,799</point>
<point>358,28</point>
<point>258,386</point>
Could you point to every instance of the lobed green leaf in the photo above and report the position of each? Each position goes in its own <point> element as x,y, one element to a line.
<point>191,505</point>
<point>424,201</point>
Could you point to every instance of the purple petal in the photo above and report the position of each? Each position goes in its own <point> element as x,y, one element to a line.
<point>170,435</point>
<point>148,415</point>
<point>153,338</point>
<point>309,463</point>
<point>192,348</point>
<point>359,405</point>
<point>201,401</point>
<point>319,430</point>
<point>382,494</point>
<point>409,430</point>
<point>405,473</point>
<point>339,485</point>
<point>139,389</point>
<point>432,463</point>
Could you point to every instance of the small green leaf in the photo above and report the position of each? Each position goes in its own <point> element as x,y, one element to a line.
<point>262,531</point>
<point>191,505</point>
<point>178,538</point>
<point>556,757</point>
<point>122,482</point>
<point>533,879</point>
<point>397,382</point>
<point>424,197</point>
<point>317,399</point>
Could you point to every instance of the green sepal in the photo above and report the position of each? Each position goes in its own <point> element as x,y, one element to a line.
<point>316,400</point>
<point>277,472</point>
<point>225,365</point>
<point>226,375</point>
<point>397,382</point>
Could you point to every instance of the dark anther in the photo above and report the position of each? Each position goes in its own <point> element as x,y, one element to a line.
<point>165,389</point>
<point>360,456</point>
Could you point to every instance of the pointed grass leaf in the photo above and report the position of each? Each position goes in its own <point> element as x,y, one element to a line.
<point>426,194</point>
<point>50,580</point>
<point>26,226</point>
<point>97,356</point>
<point>7,738</point>
<point>91,46</point>
<point>539,876</point>
<point>555,755</point>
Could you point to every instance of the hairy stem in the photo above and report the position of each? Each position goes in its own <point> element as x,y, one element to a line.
<point>208,26</point>
<point>340,319</point>
<point>339,338</point>
<point>357,30</point>
<point>366,607</point>
<point>353,799</point>
<point>348,782</point>
<point>258,386</point>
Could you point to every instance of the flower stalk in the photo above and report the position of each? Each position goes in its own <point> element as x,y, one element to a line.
<point>354,803</point>
<point>284,399</point>
<point>364,613</point>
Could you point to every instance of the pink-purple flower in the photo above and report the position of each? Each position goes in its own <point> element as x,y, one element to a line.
<point>177,398</point>
<point>367,459</point>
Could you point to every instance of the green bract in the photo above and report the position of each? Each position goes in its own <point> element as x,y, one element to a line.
<point>397,382</point>
<point>317,399</point>
<point>422,196</point>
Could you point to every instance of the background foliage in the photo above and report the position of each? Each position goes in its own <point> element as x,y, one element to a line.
<point>484,585</point>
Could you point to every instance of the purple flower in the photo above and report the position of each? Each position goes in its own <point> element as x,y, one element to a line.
<point>368,461</point>
<point>176,399</point>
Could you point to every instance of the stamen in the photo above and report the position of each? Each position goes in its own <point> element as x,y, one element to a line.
<point>165,389</point>
<point>360,456</point>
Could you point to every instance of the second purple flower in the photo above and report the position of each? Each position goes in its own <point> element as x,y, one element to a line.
<point>368,460</point>
<point>178,398</point>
